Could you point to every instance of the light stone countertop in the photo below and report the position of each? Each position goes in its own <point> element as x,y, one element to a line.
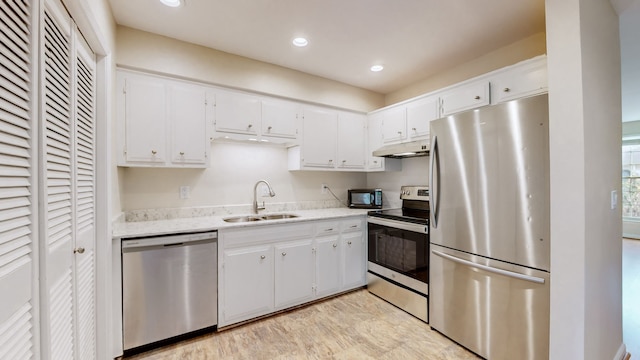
<point>206,223</point>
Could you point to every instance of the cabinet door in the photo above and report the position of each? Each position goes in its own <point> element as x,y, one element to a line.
<point>375,141</point>
<point>351,141</point>
<point>237,113</point>
<point>354,269</point>
<point>419,115</point>
<point>145,117</point>
<point>320,128</point>
<point>328,279</point>
<point>293,273</point>
<point>247,283</point>
<point>279,119</point>
<point>521,81</point>
<point>188,119</point>
<point>466,97</point>
<point>394,124</point>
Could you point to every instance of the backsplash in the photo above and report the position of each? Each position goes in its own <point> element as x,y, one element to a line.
<point>223,210</point>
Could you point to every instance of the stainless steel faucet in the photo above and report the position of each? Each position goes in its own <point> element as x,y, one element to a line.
<point>255,195</point>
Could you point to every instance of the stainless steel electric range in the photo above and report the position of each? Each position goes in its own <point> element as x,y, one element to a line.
<point>398,255</point>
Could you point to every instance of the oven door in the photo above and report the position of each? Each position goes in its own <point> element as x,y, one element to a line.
<point>399,252</point>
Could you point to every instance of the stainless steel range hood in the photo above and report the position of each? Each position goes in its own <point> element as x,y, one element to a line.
<point>404,150</point>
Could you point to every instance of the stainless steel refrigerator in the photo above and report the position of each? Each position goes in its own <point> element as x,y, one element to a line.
<point>489,260</point>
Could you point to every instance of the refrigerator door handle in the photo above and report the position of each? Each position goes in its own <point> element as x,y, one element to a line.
<point>435,195</point>
<point>512,274</point>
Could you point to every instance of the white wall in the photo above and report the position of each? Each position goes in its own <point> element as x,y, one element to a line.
<point>235,169</point>
<point>583,55</point>
<point>415,171</point>
<point>630,49</point>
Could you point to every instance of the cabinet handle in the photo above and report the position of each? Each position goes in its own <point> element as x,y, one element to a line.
<point>506,90</point>
<point>344,161</point>
<point>414,129</point>
<point>330,160</point>
<point>375,161</point>
<point>348,242</point>
<point>79,250</point>
<point>262,257</point>
<point>181,153</point>
<point>354,226</point>
<point>399,132</point>
<point>284,253</point>
<point>477,97</point>
<point>250,125</point>
<point>329,229</point>
<point>153,152</point>
<point>269,128</point>
<point>335,245</point>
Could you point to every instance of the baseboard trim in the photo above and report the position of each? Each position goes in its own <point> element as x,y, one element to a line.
<point>622,353</point>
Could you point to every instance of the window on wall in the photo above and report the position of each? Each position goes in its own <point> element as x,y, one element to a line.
<point>631,181</point>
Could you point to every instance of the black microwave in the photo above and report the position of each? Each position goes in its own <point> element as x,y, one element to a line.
<point>365,198</point>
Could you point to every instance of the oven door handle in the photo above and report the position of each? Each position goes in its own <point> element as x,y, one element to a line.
<point>418,228</point>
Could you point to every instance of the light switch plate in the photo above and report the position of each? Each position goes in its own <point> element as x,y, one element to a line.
<point>614,199</point>
<point>184,192</point>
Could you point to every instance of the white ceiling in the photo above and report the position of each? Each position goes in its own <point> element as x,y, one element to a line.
<point>413,39</point>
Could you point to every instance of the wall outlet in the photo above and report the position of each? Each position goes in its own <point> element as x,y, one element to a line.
<point>614,199</point>
<point>323,188</point>
<point>184,192</point>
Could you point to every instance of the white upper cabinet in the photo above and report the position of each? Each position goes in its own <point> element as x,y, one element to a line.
<point>374,137</point>
<point>351,140</point>
<point>466,97</point>
<point>144,101</point>
<point>163,122</point>
<point>394,124</point>
<point>319,142</point>
<point>188,112</point>
<point>241,116</point>
<point>237,113</point>
<point>419,115</point>
<point>519,81</point>
<point>279,119</point>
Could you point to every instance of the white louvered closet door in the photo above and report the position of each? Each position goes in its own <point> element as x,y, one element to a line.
<point>84,259</point>
<point>17,280</point>
<point>56,191</point>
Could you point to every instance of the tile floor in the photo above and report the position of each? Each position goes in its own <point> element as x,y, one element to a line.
<point>356,325</point>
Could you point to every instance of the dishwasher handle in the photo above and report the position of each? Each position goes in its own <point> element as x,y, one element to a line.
<point>137,244</point>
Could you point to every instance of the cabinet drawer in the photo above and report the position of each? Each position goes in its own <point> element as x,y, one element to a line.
<point>327,228</point>
<point>352,225</point>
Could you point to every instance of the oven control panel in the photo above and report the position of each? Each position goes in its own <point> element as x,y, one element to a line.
<point>414,192</point>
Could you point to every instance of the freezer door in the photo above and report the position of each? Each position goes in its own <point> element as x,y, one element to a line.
<point>495,309</point>
<point>490,182</point>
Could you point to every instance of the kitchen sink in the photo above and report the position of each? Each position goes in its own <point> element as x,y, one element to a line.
<point>278,216</point>
<point>260,217</point>
<point>243,219</point>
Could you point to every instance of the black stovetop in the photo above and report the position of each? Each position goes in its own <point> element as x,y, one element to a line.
<point>418,216</point>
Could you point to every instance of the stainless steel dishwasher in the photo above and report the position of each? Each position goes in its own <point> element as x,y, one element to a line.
<point>169,286</point>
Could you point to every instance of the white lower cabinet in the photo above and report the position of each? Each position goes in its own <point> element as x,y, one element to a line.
<point>328,257</point>
<point>353,259</point>
<point>269,268</point>
<point>248,282</point>
<point>293,273</point>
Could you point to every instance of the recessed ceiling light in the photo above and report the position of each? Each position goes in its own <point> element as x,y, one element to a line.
<point>172,3</point>
<point>376,68</point>
<point>300,42</point>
